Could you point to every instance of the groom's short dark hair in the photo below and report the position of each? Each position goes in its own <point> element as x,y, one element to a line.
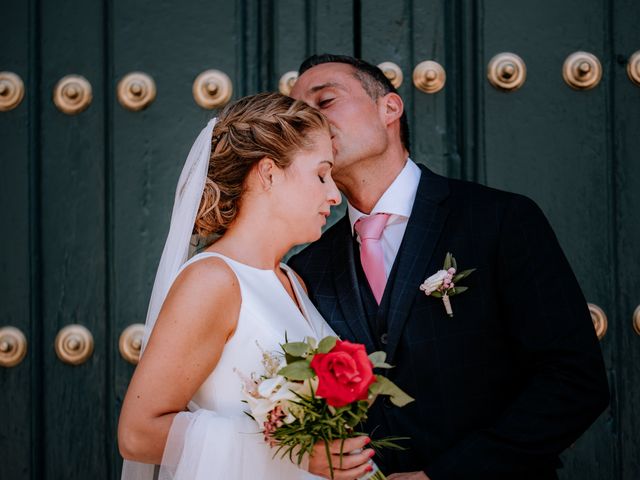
<point>373,81</point>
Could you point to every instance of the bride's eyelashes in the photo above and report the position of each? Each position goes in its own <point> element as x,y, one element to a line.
<point>323,173</point>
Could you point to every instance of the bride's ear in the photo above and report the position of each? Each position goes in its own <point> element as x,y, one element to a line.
<point>265,169</point>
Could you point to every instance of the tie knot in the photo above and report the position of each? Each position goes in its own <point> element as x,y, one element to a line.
<point>371,227</point>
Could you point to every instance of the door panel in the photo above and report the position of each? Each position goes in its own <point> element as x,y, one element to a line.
<point>172,45</point>
<point>72,219</point>
<point>547,141</point>
<point>408,33</point>
<point>19,384</point>
<point>625,143</point>
<point>303,28</point>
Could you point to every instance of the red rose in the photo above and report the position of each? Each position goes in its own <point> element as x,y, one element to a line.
<point>344,374</point>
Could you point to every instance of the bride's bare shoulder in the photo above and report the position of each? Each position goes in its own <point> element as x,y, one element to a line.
<point>208,291</point>
<point>210,270</point>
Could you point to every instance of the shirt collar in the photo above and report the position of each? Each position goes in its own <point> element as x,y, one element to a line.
<point>397,200</point>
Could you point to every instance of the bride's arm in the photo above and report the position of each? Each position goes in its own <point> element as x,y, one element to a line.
<point>199,315</point>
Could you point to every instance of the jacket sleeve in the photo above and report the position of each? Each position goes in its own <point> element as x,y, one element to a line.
<point>546,316</point>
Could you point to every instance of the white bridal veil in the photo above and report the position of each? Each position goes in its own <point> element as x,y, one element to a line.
<point>183,217</point>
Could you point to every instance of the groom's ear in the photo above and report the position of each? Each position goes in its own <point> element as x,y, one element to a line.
<point>392,107</point>
<point>264,170</point>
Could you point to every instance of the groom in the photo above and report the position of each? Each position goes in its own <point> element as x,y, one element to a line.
<point>516,375</point>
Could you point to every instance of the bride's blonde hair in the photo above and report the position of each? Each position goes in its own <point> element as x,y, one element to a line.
<point>264,125</point>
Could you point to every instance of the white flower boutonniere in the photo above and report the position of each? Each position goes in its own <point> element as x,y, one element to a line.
<point>442,284</point>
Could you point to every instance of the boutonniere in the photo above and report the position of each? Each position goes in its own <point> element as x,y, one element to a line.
<point>442,284</point>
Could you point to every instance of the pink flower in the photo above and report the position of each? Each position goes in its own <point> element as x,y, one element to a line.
<point>274,421</point>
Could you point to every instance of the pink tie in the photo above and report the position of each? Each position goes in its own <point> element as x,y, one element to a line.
<point>369,229</point>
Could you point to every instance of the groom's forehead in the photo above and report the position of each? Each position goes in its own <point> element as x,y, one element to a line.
<point>325,75</point>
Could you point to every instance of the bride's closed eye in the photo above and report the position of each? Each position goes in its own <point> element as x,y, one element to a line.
<point>324,171</point>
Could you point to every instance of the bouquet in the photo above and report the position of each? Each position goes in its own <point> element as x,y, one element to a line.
<point>314,391</point>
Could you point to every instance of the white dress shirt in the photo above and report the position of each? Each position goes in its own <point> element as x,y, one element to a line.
<point>397,201</point>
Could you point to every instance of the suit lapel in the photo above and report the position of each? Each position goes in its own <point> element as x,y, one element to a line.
<point>420,238</point>
<point>346,283</point>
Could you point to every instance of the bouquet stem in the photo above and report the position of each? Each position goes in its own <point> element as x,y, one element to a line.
<point>375,474</point>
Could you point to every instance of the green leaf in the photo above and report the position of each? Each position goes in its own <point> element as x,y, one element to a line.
<point>454,264</point>
<point>457,290</point>
<point>463,274</point>
<point>312,342</point>
<point>384,386</point>
<point>327,344</point>
<point>378,360</point>
<point>447,261</point>
<point>378,357</point>
<point>299,370</point>
<point>296,349</point>
<point>436,294</point>
<point>389,442</point>
<point>290,358</point>
<point>383,365</point>
<point>375,388</point>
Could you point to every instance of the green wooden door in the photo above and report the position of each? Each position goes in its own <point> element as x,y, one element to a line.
<point>19,385</point>
<point>86,198</point>
<point>624,175</point>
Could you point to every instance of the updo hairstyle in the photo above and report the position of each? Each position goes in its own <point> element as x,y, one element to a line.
<point>264,125</point>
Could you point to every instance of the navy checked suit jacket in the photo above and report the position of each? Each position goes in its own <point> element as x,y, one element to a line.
<point>514,377</point>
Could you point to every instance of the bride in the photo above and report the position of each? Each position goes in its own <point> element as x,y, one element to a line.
<point>258,181</point>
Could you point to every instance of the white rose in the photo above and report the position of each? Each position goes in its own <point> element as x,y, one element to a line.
<point>273,392</point>
<point>434,282</point>
<point>260,408</point>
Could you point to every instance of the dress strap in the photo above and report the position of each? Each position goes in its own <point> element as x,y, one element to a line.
<point>299,292</point>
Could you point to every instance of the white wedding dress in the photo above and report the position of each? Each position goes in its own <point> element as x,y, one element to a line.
<point>216,439</point>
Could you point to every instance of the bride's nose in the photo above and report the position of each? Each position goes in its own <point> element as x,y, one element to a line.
<point>334,198</point>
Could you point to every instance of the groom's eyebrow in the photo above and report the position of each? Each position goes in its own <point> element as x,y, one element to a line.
<point>317,88</point>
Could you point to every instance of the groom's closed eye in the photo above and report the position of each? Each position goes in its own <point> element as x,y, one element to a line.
<point>325,102</point>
